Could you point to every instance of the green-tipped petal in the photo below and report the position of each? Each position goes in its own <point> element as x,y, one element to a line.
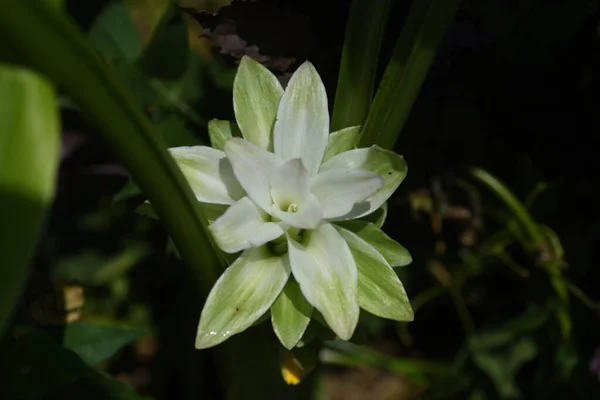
<point>220,131</point>
<point>256,96</point>
<point>244,292</point>
<point>393,252</point>
<point>341,141</point>
<point>209,174</point>
<point>302,125</point>
<point>290,314</point>
<point>380,291</point>
<point>242,226</point>
<point>253,168</point>
<point>385,163</point>
<point>325,269</point>
<point>343,191</point>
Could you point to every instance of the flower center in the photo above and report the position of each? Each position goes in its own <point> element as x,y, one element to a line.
<point>279,246</point>
<point>292,208</point>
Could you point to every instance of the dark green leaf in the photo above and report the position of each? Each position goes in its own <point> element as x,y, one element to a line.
<point>413,55</point>
<point>166,55</point>
<point>34,366</point>
<point>96,343</point>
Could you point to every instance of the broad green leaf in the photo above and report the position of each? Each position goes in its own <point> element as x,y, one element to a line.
<point>34,366</point>
<point>244,292</point>
<point>380,291</point>
<point>358,66</point>
<point>29,157</point>
<point>96,343</point>
<point>50,42</point>
<point>340,141</point>
<point>393,252</point>
<point>325,269</point>
<point>389,165</point>
<point>256,95</point>
<point>220,131</point>
<point>166,56</point>
<point>290,314</point>
<point>415,50</point>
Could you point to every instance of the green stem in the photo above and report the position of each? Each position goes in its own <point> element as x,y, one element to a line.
<point>512,202</point>
<point>51,43</point>
<point>412,57</point>
<point>364,31</point>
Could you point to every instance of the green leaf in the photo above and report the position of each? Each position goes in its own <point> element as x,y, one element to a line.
<point>393,252</point>
<point>220,131</point>
<point>256,95</point>
<point>114,34</point>
<point>244,292</point>
<point>389,165</point>
<point>290,314</point>
<point>34,366</point>
<point>342,140</point>
<point>364,32</point>
<point>176,132</point>
<point>378,216</point>
<point>166,56</point>
<point>502,351</point>
<point>413,55</point>
<point>50,42</point>
<point>418,371</point>
<point>129,190</point>
<point>29,157</point>
<point>96,343</point>
<point>380,291</point>
<point>95,268</point>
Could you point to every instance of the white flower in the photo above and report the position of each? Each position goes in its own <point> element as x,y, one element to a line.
<point>284,183</point>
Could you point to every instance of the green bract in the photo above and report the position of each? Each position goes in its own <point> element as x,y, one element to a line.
<point>290,189</point>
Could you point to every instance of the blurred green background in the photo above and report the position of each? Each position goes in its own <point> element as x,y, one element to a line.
<point>500,312</point>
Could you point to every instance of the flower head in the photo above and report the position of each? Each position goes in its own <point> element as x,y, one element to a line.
<point>291,191</point>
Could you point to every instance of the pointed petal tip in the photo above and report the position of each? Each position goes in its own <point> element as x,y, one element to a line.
<point>205,340</point>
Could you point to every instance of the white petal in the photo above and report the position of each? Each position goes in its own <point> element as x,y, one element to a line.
<point>302,125</point>
<point>385,163</point>
<point>325,269</point>
<point>256,95</point>
<point>253,168</point>
<point>308,215</point>
<point>209,174</point>
<point>289,184</point>
<point>242,294</point>
<point>343,190</point>
<point>243,226</point>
